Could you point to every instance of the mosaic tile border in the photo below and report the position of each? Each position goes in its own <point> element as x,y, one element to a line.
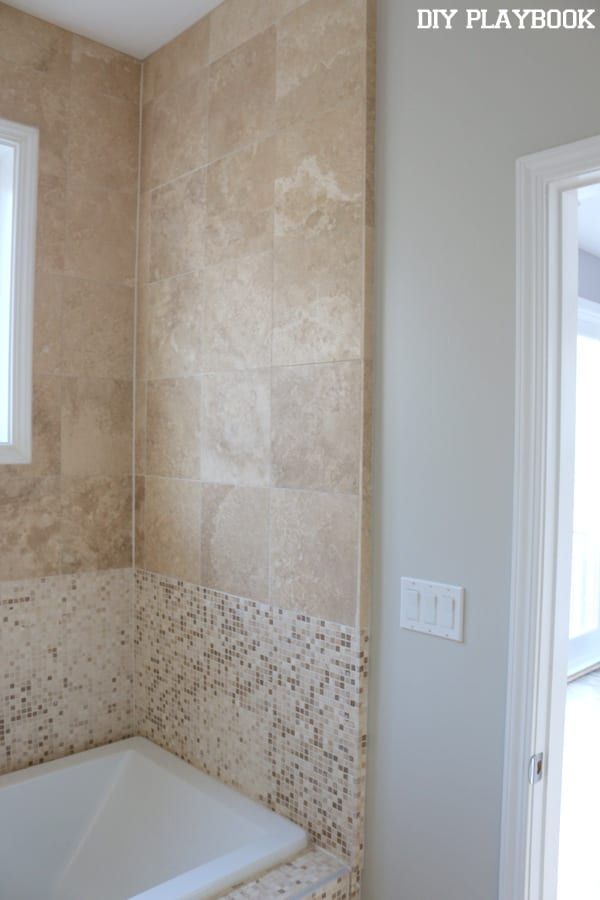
<point>314,875</point>
<point>267,700</point>
<point>66,665</point>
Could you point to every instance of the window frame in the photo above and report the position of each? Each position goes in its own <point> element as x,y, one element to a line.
<point>24,139</point>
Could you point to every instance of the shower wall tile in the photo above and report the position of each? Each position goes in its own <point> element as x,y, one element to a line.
<point>65,665</point>
<point>103,140</point>
<point>174,324</point>
<point>176,132</point>
<point>242,95</point>
<point>98,329</point>
<point>34,44</point>
<point>239,200</point>
<point>96,427</point>
<point>235,540</point>
<point>235,427</point>
<point>29,526</point>
<point>316,426</point>
<point>95,523</point>
<point>173,427</point>
<point>237,333</point>
<point>177,219</point>
<point>265,699</point>
<point>178,61</point>
<point>317,306</point>
<point>47,332</point>
<point>51,222</point>
<point>100,233</point>
<point>314,553</point>
<point>320,58</point>
<point>140,426</point>
<point>172,523</point>
<point>99,69</point>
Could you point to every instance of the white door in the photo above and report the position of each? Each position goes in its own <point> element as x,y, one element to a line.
<point>584,621</point>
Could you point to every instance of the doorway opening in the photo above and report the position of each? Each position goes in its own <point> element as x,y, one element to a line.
<point>551,829</point>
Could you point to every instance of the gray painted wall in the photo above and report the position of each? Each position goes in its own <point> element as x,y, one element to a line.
<point>456,109</point>
<point>589,276</point>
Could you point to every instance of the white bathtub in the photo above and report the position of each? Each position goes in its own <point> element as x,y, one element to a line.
<point>131,821</point>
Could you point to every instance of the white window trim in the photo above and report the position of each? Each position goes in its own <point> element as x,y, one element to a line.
<point>24,139</point>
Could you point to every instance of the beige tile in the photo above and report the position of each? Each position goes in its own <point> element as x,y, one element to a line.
<point>96,523</point>
<point>314,553</point>
<point>173,428</point>
<point>103,140</point>
<point>239,198</point>
<point>321,58</point>
<point>29,527</point>
<point>177,131</point>
<point>97,329</point>
<point>318,302</point>
<point>233,22</point>
<point>174,310</point>
<point>141,332</point>
<point>45,443</point>
<point>235,530</point>
<point>34,98</point>
<point>178,216</point>
<point>316,427</point>
<point>242,95</point>
<point>100,234</point>
<point>172,517</point>
<point>144,234</point>
<point>47,323</point>
<point>140,502</point>
<point>238,312</point>
<point>97,68</point>
<point>235,427</point>
<point>320,173</point>
<point>180,60</point>
<point>51,213</point>
<point>34,43</point>
<point>140,426</point>
<point>97,424</point>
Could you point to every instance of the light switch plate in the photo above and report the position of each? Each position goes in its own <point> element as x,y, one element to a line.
<point>432,608</point>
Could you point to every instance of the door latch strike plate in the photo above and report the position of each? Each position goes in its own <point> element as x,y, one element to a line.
<point>536,768</point>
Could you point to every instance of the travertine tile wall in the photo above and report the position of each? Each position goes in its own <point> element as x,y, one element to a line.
<point>70,510</point>
<point>65,519</point>
<point>253,369</point>
<point>254,315</point>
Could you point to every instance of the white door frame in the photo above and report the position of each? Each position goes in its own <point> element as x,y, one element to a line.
<point>542,514</point>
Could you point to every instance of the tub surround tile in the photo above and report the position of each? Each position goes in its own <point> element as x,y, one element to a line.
<point>34,44</point>
<point>235,539</point>
<point>100,233</point>
<point>320,58</point>
<point>99,69</point>
<point>235,427</point>
<point>172,527</point>
<point>30,533</point>
<point>238,314</point>
<point>176,132</point>
<point>314,875</point>
<point>177,220</point>
<point>67,675</point>
<point>319,187</point>
<point>140,426</point>
<point>47,330</point>
<point>173,427</point>
<point>239,200</point>
<point>97,329</point>
<point>103,140</point>
<point>234,22</point>
<point>95,523</point>
<point>174,322</point>
<point>180,60</point>
<point>51,223</point>
<point>139,530</point>
<point>289,733</point>
<point>242,95</point>
<point>314,553</point>
<point>96,427</point>
<point>316,427</point>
